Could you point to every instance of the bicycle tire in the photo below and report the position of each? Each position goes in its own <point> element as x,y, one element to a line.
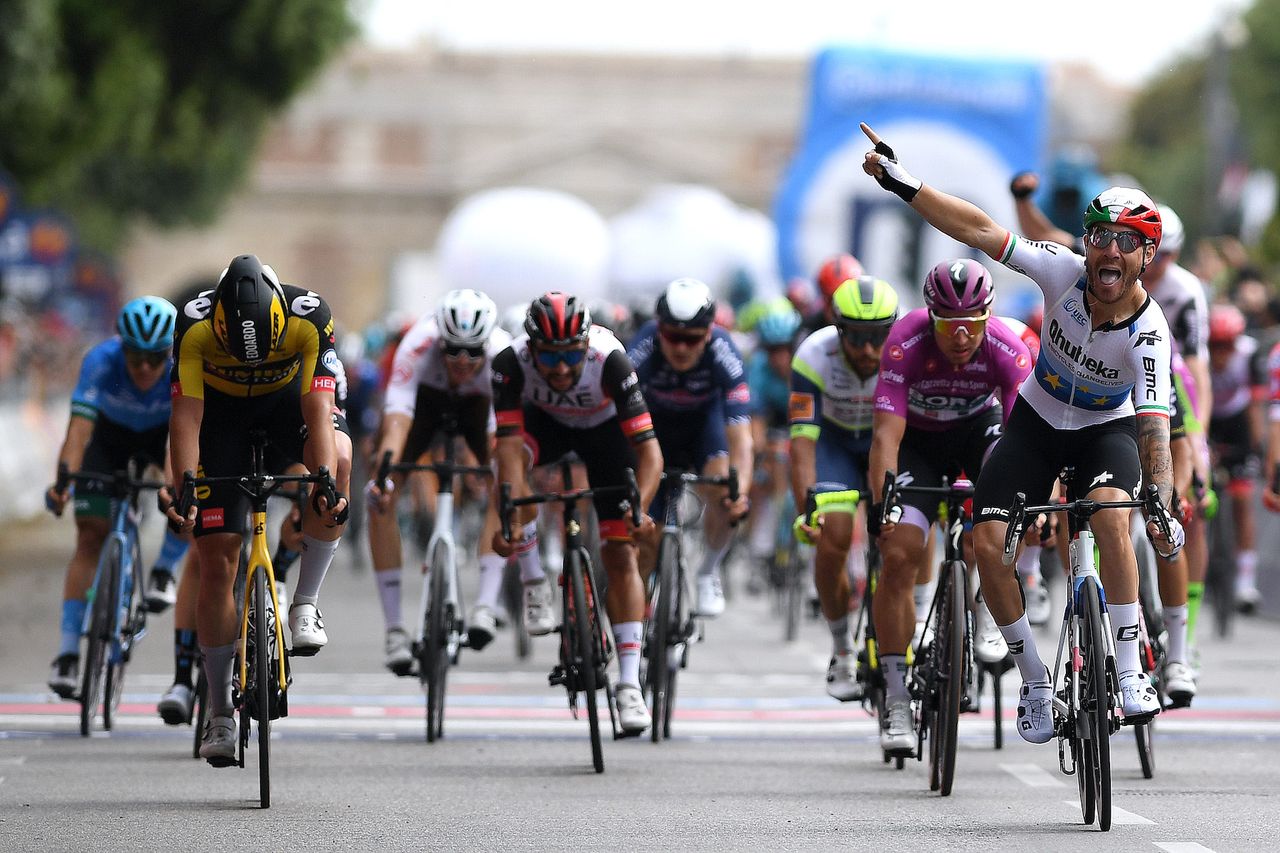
<point>793,594</point>
<point>583,650</point>
<point>513,596</point>
<point>261,679</point>
<point>683,624</point>
<point>997,707</point>
<point>949,682</point>
<point>122,644</point>
<point>434,664</point>
<point>662,620</point>
<point>199,712</point>
<point>1097,701</point>
<point>99,635</point>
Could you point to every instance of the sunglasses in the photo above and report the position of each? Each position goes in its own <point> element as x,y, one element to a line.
<point>137,358</point>
<point>679,338</point>
<point>552,358</point>
<point>949,327</point>
<point>1126,241</point>
<point>861,335</point>
<point>453,352</point>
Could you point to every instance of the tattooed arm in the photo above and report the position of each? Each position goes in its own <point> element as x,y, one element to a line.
<point>1154,454</point>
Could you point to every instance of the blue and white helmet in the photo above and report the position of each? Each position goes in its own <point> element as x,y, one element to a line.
<point>466,318</point>
<point>146,324</point>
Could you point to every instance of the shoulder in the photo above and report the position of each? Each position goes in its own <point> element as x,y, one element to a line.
<point>1001,330</point>
<point>309,306</point>
<point>815,347</point>
<point>195,310</point>
<point>499,339</point>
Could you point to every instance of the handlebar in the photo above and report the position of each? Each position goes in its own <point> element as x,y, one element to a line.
<point>959,490</point>
<point>1084,507</point>
<point>629,489</point>
<point>256,487</point>
<point>445,469</point>
<point>728,481</point>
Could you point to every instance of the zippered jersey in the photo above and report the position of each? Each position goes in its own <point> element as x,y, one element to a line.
<point>826,392</point>
<point>1181,298</point>
<point>105,390</point>
<point>419,360</point>
<point>718,376</point>
<point>1085,376</point>
<point>918,383</point>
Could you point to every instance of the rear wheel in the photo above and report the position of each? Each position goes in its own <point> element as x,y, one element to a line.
<point>584,649</point>
<point>101,631</point>
<point>793,593</point>
<point>434,664</point>
<point>1096,699</point>
<point>661,621</point>
<point>261,681</point>
<point>199,712</point>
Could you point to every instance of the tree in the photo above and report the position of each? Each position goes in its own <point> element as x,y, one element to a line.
<point>136,109</point>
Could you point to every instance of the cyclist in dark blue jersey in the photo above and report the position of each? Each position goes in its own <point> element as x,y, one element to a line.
<point>120,408</point>
<point>695,384</point>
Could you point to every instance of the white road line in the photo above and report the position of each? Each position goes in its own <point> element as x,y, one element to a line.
<point>1033,775</point>
<point>1119,816</point>
<point>17,759</point>
<point>1182,847</point>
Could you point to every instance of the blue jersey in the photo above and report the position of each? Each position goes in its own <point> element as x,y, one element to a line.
<point>770,392</point>
<point>105,390</point>
<point>718,378</point>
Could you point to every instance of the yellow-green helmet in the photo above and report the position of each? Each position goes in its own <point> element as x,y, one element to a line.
<point>865,299</point>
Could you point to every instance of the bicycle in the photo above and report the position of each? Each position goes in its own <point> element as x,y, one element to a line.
<point>944,667</point>
<point>1085,701</point>
<point>115,618</point>
<point>441,630</point>
<point>585,644</point>
<point>671,626</point>
<point>261,677</point>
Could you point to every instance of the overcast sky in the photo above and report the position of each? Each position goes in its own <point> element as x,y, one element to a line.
<point>1126,42</point>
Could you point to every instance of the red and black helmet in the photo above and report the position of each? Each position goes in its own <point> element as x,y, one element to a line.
<point>557,319</point>
<point>835,271</point>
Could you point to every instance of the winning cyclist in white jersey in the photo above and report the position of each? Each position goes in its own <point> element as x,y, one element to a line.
<point>1104,343</point>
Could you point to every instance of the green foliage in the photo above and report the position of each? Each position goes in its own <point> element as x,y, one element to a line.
<point>137,109</point>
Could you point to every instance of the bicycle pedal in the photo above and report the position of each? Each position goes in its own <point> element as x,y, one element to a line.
<point>1137,719</point>
<point>303,651</point>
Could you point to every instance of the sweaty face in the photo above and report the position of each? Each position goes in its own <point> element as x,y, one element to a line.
<point>1111,272</point>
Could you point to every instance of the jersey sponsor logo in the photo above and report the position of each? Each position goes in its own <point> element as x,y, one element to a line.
<point>324,383</point>
<point>895,353</point>
<point>1075,352</point>
<point>1127,633</point>
<point>1149,378</point>
<point>994,510</point>
<point>931,365</point>
<point>198,308</point>
<point>1102,479</point>
<point>800,407</point>
<point>1147,338</point>
<point>630,382</point>
<point>212,517</point>
<point>884,402</point>
<point>1072,307</point>
<point>305,304</point>
<point>563,399</point>
<point>892,376</point>
<point>740,394</point>
<point>175,389</point>
<point>330,360</point>
<point>1022,362</point>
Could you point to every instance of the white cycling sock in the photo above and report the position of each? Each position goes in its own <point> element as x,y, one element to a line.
<point>841,635</point>
<point>528,557</point>
<point>388,581</point>
<point>1175,622</point>
<point>1022,645</point>
<point>317,556</point>
<point>711,559</point>
<point>491,571</point>
<point>1124,624</point>
<point>218,661</point>
<point>1247,569</point>
<point>894,668</point>
<point>1029,562</point>
<point>920,595</point>
<point>628,637</point>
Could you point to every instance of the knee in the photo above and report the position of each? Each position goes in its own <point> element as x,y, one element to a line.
<point>988,546</point>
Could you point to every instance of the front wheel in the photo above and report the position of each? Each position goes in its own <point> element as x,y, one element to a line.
<point>658,673</point>
<point>1096,699</point>
<point>101,631</point>
<point>434,664</point>
<point>261,681</point>
<point>583,649</point>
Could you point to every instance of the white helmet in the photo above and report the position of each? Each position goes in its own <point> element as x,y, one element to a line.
<point>687,302</point>
<point>466,318</point>
<point>1171,239</point>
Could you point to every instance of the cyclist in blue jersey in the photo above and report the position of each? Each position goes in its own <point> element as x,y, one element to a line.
<point>120,408</point>
<point>695,384</point>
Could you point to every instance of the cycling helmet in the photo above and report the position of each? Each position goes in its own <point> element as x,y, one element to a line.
<point>802,295</point>
<point>835,271</point>
<point>1125,206</point>
<point>466,318</point>
<point>1172,233</point>
<point>249,311</point>
<point>1226,323</point>
<point>146,324</point>
<point>865,299</point>
<point>778,327</point>
<point>557,319</point>
<point>959,285</point>
<point>686,303</point>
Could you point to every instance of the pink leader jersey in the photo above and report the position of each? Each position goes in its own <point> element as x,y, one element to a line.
<point>918,383</point>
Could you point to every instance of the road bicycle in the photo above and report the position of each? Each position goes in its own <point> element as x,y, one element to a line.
<point>115,616</point>
<point>585,643</point>
<point>1085,681</point>
<point>261,676</point>
<point>441,629</point>
<point>943,668</point>
<point>671,626</point>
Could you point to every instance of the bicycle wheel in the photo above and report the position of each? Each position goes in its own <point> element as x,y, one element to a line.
<point>682,626</point>
<point>583,649</point>
<point>100,633</point>
<point>948,678</point>
<point>260,678</point>
<point>793,594</point>
<point>132,620</point>
<point>434,664</point>
<point>1096,701</point>
<point>513,597</point>
<point>662,621</point>
<point>997,706</point>
<point>199,712</point>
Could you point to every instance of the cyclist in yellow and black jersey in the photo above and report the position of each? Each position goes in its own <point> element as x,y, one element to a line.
<point>254,354</point>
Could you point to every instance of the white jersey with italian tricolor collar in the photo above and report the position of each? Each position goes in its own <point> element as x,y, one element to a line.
<point>1085,376</point>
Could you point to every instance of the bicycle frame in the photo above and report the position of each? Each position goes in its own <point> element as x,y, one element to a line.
<point>260,561</point>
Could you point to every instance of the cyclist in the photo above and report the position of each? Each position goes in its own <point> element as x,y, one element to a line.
<point>833,272</point>
<point>565,386</point>
<point>769,378</point>
<point>944,373</point>
<point>1106,338</point>
<point>254,353</point>
<point>695,385</point>
<point>119,408</point>
<point>440,371</point>
<point>1235,432</point>
<point>833,383</point>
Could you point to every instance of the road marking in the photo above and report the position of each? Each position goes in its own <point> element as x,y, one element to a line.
<point>17,759</point>
<point>1119,816</point>
<point>1182,847</point>
<point>1033,775</point>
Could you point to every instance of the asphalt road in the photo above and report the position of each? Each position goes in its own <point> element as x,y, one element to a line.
<point>761,758</point>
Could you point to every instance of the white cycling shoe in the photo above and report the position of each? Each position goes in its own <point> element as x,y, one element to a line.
<point>539,616</point>
<point>633,716</point>
<point>1039,608</point>
<point>398,651</point>
<point>897,731</point>
<point>988,643</point>
<point>306,627</point>
<point>176,703</point>
<point>1035,712</point>
<point>1139,701</point>
<point>710,596</point>
<point>1179,684</point>
<point>842,678</point>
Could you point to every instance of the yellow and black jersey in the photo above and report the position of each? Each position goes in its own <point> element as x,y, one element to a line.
<point>306,351</point>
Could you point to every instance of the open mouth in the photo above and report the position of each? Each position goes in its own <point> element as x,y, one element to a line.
<point>1108,275</point>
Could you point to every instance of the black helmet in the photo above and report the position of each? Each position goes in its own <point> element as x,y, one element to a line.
<point>557,319</point>
<point>249,311</point>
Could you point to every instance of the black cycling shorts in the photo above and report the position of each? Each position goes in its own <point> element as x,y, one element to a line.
<point>604,449</point>
<point>109,451</point>
<point>925,457</point>
<point>1231,440</point>
<point>1031,454</point>
<point>429,411</point>
<point>226,449</point>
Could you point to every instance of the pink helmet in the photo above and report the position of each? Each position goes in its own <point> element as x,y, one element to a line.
<point>959,285</point>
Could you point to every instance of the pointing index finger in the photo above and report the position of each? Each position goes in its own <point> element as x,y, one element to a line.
<point>871,134</point>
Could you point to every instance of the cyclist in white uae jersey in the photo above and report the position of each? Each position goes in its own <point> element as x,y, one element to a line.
<point>1104,339</point>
